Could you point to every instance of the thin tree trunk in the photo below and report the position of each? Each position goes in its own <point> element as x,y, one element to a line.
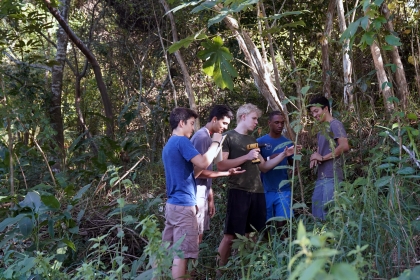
<point>415,61</point>
<point>298,79</point>
<point>347,64</point>
<point>381,75</point>
<point>326,72</point>
<point>399,75</point>
<point>55,113</point>
<point>180,59</point>
<point>95,66</point>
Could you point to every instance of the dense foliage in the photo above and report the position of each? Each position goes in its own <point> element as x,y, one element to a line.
<point>92,206</point>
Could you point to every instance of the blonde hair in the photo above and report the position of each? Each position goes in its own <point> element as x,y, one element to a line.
<point>247,109</point>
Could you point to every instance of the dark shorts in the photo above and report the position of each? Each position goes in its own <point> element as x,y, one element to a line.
<point>182,221</point>
<point>203,217</point>
<point>245,211</point>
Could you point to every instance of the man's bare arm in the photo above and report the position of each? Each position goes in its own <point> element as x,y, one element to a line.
<point>226,163</point>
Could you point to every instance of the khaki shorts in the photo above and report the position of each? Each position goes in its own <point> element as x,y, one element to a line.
<point>180,221</point>
<point>203,218</point>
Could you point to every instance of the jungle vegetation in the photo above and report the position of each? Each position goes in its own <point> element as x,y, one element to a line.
<point>86,88</point>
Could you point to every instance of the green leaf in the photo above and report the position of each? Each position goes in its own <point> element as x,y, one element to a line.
<point>192,3</point>
<point>11,221</point>
<point>279,16</point>
<point>344,271</point>
<point>204,6</point>
<point>51,201</point>
<point>406,171</point>
<point>360,181</point>
<point>26,226</point>
<point>351,30</point>
<point>312,270</point>
<point>299,205</point>
<point>32,200</point>
<point>368,38</point>
<point>325,252</point>
<point>69,243</point>
<point>304,90</point>
<point>382,181</point>
<point>81,192</point>
<point>182,43</point>
<point>412,116</point>
<point>301,232</point>
<point>364,22</point>
<point>392,66</point>
<point>217,18</point>
<point>294,24</point>
<point>217,63</point>
<point>386,165</point>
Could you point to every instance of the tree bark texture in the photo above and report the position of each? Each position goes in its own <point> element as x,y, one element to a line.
<point>381,75</point>
<point>415,62</point>
<point>95,66</point>
<point>399,75</point>
<point>347,63</point>
<point>56,118</point>
<point>180,59</point>
<point>326,71</point>
<point>262,77</point>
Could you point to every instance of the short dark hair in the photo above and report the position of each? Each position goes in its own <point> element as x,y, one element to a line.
<point>220,111</point>
<point>181,114</point>
<point>275,113</point>
<point>319,101</point>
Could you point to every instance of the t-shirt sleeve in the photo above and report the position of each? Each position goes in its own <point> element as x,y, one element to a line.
<point>338,130</point>
<point>187,149</point>
<point>201,142</point>
<point>226,144</point>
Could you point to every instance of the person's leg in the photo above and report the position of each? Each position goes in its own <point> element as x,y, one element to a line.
<point>317,198</point>
<point>283,209</point>
<point>225,248</point>
<point>269,201</point>
<point>185,221</point>
<point>179,269</point>
<point>236,217</point>
<point>256,213</point>
<point>327,195</point>
<point>202,209</point>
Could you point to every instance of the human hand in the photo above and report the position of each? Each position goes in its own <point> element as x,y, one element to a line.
<point>212,209</point>
<point>253,154</point>
<point>235,170</point>
<point>217,137</point>
<point>288,151</point>
<point>315,160</point>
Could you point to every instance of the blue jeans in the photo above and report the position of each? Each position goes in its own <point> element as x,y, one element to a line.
<point>323,193</point>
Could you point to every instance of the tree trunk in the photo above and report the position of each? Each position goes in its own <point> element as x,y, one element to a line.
<point>95,66</point>
<point>347,64</point>
<point>326,71</point>
<point>298,79</point>
<point>415,61</point>
<point>180,59</point>
<point>399,75</point>
<point>262,77</point>
<point>55,114</point>
<point>381,75</point>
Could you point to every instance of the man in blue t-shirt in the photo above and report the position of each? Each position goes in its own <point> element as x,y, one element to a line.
<point>329,157</point>
<point>276,183</point>
<point>181,160</point>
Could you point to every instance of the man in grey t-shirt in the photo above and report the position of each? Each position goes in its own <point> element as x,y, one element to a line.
<point>332,144</point>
